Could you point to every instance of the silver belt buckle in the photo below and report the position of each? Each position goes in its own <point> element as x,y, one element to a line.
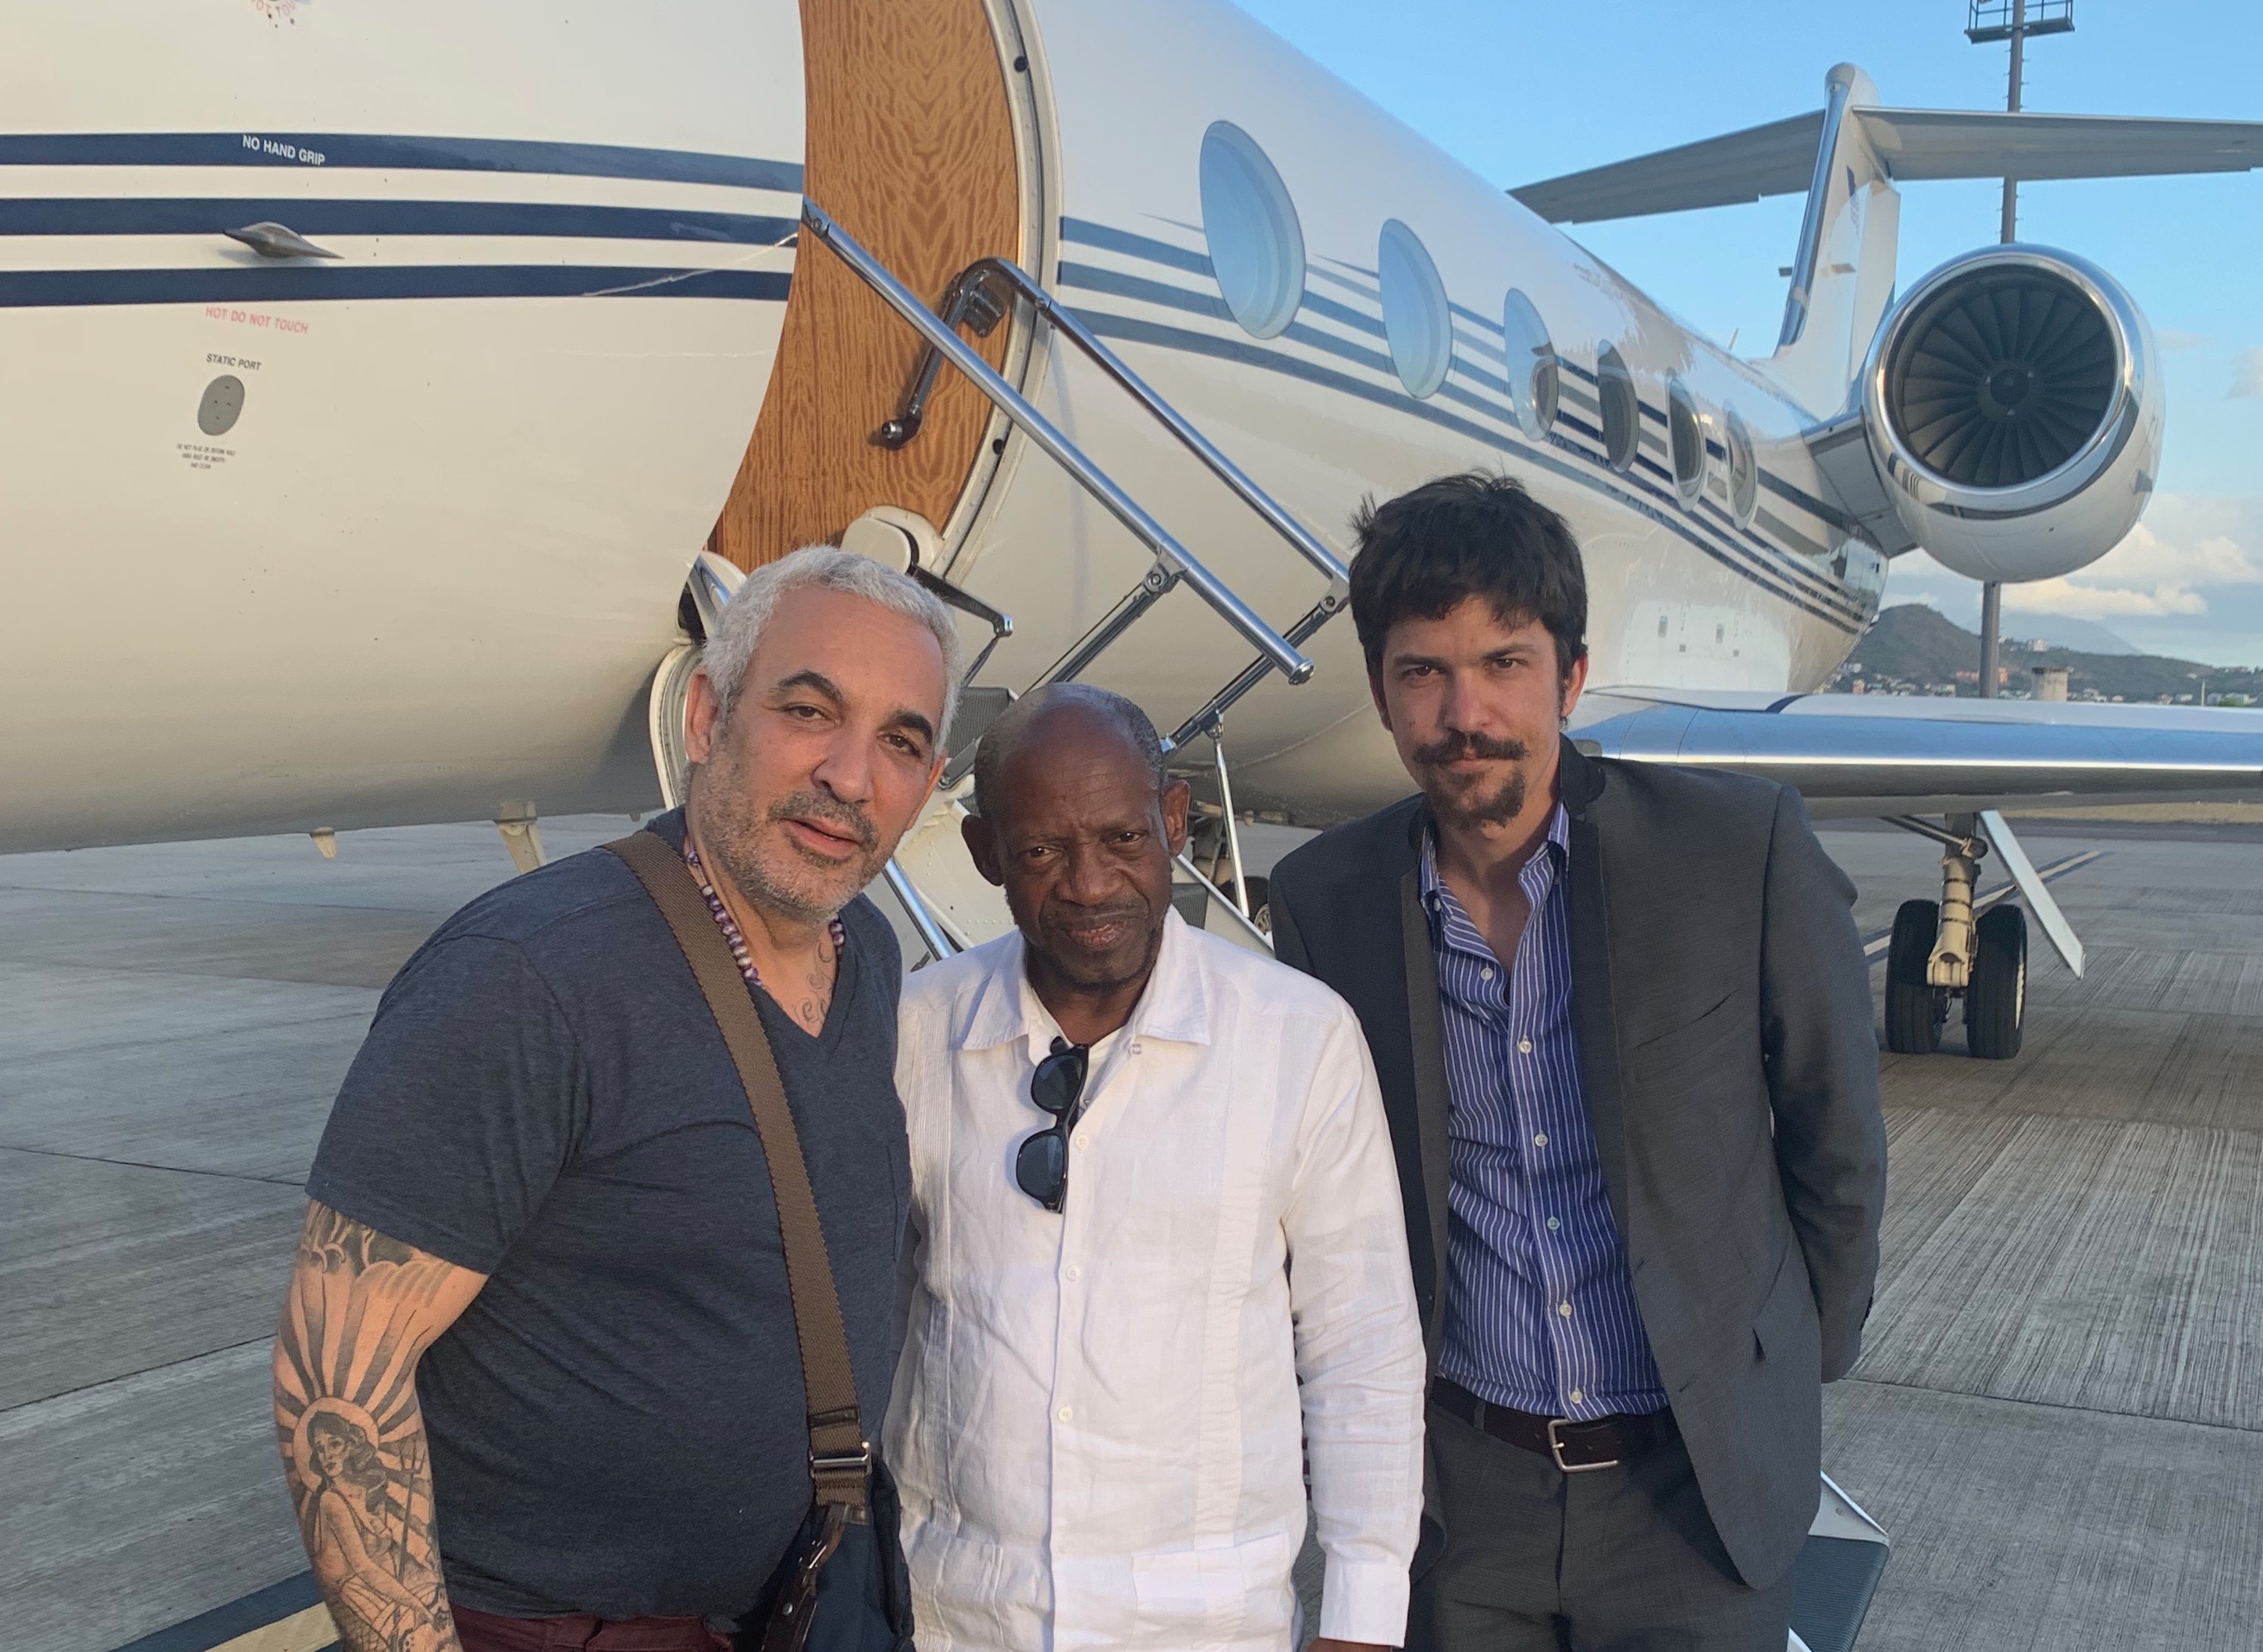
<point>1556,1450</point>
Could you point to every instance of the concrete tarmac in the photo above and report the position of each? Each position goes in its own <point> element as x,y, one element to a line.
<point>2059,1411</point>
<point>2059,1416</point>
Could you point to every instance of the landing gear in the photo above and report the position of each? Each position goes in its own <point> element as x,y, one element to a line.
<point>522,836</point>
<point>1260,902</point>
<point>1916,1009</point>
<point>1996,1002</point>
<point>1943,950</point>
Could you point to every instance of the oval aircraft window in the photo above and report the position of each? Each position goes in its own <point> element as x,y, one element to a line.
<point>1744,470</point>
<point>1415,318</point>
<point>1686,428</point>
<point>1256,245</point>
<point>1621,407</point>
<point>1533,374</point>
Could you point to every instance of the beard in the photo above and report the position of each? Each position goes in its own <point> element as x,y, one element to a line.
<point>1465,799</point>
<point>772,872</point>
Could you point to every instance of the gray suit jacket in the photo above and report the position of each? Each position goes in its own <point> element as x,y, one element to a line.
<point>1722,1007</point>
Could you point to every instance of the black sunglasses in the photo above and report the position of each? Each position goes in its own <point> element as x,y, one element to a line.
<point>1041,1167</point>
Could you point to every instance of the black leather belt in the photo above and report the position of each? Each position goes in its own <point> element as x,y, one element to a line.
<point>1574,1447</point>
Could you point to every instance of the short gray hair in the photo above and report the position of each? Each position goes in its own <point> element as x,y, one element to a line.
<point>827,567</point>
<point>1003,735</point>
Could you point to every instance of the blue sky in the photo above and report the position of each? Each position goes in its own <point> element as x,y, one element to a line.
<point>1520,92</point>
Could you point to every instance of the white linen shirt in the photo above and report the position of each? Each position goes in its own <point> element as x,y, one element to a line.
<point>1095,1422</point>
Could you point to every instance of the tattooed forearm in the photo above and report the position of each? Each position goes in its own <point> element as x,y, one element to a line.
<point>361,1312</point>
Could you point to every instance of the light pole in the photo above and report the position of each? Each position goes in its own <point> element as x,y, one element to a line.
<point>2011,21</point>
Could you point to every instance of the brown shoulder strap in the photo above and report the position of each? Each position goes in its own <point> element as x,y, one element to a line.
<point>839,1455</point>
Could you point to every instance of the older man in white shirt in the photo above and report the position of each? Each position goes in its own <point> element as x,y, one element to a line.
<point>1155,1248</point>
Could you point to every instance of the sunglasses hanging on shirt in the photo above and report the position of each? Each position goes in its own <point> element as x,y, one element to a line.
<point>1041,1167</point>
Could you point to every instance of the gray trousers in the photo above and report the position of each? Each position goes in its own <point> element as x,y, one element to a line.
<point>1613,1559</point>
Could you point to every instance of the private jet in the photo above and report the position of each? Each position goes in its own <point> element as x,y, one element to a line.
<point>393,394</point>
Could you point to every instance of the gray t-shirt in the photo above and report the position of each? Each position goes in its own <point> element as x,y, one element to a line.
<point>618,1423</point>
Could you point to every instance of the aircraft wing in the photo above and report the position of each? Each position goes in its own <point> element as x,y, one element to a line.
<point>1877,753</point>
<point>1776,159</point>
<point>1937,143</point>
<point>1913,144</point>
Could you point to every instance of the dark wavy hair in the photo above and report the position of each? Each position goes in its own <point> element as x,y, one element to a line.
<point>1425,552</point>
<point>362,1463</point>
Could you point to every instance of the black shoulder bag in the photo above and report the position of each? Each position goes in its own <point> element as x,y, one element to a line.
<point>844,1587</point>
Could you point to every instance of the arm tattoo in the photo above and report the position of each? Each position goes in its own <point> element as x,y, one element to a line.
<point>361,1311</point>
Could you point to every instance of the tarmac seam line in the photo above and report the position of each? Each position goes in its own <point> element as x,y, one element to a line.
<point>140,1165</point>
<point>2052,1405</point>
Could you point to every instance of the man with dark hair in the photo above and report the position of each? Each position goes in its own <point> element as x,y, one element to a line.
<point>1155,1238</point>
<point>1622,1026</point>
<point>1424,551</point>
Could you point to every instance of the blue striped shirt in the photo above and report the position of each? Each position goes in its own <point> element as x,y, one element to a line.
<point>1541,1313</point>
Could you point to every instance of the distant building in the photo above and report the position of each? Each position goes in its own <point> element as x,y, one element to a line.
<point>2051,682</point>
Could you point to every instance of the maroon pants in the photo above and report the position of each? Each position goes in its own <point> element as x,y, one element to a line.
<point>484,1631</point>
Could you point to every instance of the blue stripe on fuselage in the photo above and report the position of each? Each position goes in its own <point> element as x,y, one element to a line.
<point>210,215</point>
<point>301,283</point>
<point>1561,463</point>
<point>328,151</point>
<point>1808,586</point>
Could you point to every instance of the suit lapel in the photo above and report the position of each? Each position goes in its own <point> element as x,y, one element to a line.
<point>1595,1020</point>
<point>1426,1030</point>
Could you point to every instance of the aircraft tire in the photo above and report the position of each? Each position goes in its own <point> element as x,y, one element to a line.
<point>1996,1003</point>
<point>1916,1010</point>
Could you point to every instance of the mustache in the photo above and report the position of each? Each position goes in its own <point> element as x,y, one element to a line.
<point>823,805</point>
<point>1463,744</point>
<point>1060,915</point>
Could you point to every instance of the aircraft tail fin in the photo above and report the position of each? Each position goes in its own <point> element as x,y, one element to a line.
<point>1848,156</point>
<point>1843,270</point>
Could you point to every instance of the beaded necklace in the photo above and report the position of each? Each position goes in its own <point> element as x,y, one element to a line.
<point>729,925</point>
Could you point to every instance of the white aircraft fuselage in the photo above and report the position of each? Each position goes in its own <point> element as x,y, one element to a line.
<point>399,535</point>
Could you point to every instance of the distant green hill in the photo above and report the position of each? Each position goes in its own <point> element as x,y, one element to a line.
<point>2084,636</point>
<point>1911,648</point>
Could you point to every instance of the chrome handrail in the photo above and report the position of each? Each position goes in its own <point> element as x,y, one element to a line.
<point>1173,561</point>
<point>1229,827</point>
<point>932,935</point>
<point>900,429</point>
<point>1211,892</point>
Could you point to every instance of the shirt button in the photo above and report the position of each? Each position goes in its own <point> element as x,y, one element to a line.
<point>1577,1396</point>
<point>1553,1224</point>
<point>1524,1046</point>
<point>1485,973</point>
<point>1066,1413</point>
<point>1078,1143</point>
<point>1073,1272</point>
<point>1564,1308</point>
<point>1540,1140</point>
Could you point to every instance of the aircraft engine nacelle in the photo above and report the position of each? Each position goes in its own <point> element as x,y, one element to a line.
<point>2012,401</point>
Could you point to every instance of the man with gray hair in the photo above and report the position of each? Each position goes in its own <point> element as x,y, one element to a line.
<point>541,1275</point>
